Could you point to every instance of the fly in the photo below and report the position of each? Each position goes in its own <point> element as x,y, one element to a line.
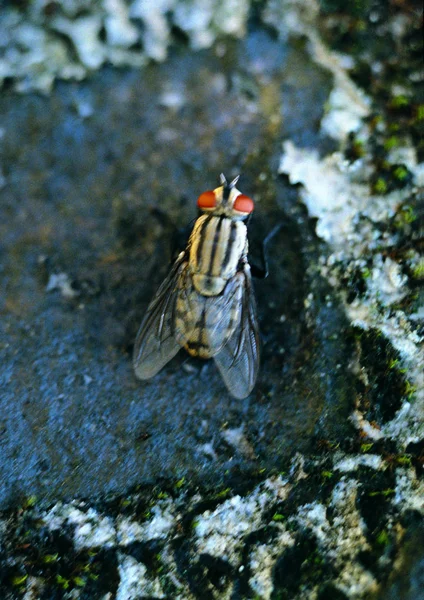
<point>206,303</point>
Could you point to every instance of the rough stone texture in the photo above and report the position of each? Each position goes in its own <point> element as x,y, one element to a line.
<point>114,488</point>
<point>85,246</point>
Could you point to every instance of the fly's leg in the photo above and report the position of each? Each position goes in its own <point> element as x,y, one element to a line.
<point>261,271</point>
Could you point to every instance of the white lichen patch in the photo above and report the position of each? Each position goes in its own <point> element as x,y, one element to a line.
<point>34,588</point>
<point>386,281</point>
<point>111,31</point>
<point>313,517</point>
<point>156,37</point>
<point>409,491</point>
<point>407,426</point>
<point>221,532</point>
<point>61,282</point>
<point>347,105</point>
<point>347,528</point>
<point>129,531</point>
<point>238,440</point>
<point>338,196</point>
<point>91,530</point>
<point>262,562</point>
<point>135,582</point>
<point>341,536</point>
<point>120,31</point>
<point>162,520</point>
<point>342,115</point>
<point>349,464</point>
<point>341,540</point>
<point>84,34</point>
<point>370,432</point>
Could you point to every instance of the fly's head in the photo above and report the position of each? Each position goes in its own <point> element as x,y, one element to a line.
<point>226,200</point>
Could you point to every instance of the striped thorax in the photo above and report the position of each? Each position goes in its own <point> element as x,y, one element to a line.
<point>217,245</point>
<point>219,238</point>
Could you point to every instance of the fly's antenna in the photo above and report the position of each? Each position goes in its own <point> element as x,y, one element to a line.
<point>234,181</point>
<point>227,187</point>
<point>225,183</point>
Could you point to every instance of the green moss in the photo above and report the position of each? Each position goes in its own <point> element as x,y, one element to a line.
<point>382,538</point>
<point>366,447</point>
<point>180,483</point>
<point>399,101</point>
<point>387,492</point>
<point>392,142</point>
<point>417,271</point>
<point>327,474</point>
<point>19,580</point>
<point>404,460</point>
<point>409,390</point>
<point>420,112</point>
<point>223,493</point>
<point>401,173</point>
<point>63,582</point>
<point>404,216</point>
<point>50,558</point>
<point>278,517</point>
<point>29,502</point>
<point>380,186</point>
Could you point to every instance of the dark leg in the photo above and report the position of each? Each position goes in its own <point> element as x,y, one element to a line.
<point>261,271</point>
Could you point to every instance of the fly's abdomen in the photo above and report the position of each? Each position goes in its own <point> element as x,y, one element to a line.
<point>217,244</point>
<point>205,324</point>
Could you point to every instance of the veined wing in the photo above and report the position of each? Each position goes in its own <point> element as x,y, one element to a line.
<point>156,342</point>
<point>238,360</point>
<point>223,314</point>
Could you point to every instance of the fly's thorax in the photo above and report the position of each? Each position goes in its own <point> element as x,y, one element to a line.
<point>217,244</point>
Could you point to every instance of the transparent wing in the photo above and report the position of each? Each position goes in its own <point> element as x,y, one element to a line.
<point>222,314</point>
<point>238,360</point>
<point>156,341</point>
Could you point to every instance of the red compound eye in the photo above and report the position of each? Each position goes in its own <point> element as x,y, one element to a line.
<point>207,200</point>
<point>244,204</point>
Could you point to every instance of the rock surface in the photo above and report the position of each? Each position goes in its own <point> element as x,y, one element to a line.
<point>112,487</point>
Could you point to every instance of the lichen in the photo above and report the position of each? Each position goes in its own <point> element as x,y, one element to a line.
<point>41,43</point>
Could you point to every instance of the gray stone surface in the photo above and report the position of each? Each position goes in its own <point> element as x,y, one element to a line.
<point>84,248</point>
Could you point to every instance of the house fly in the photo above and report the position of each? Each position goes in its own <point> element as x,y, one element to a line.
<point>206,303</point>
